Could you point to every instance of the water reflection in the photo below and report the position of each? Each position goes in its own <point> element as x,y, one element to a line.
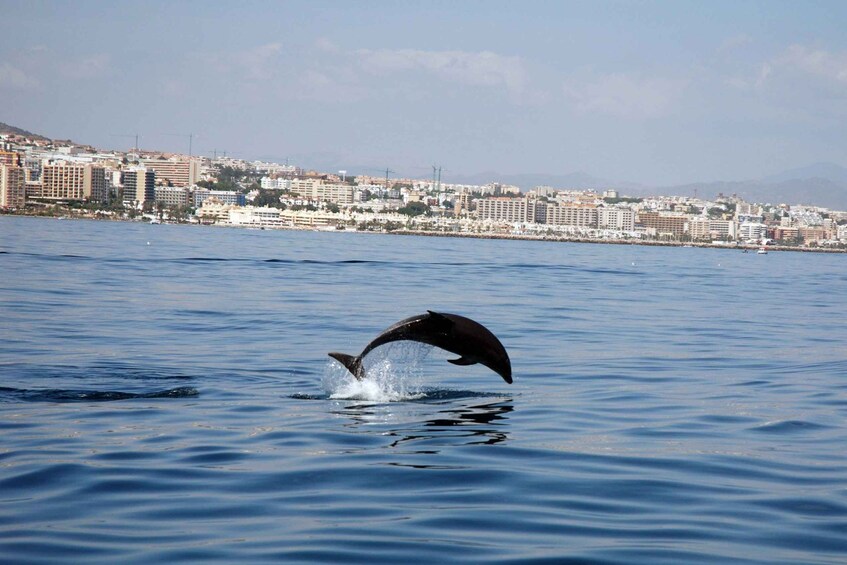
<point>477,424</point>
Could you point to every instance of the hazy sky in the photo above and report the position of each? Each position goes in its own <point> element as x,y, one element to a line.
<point>650,92</point>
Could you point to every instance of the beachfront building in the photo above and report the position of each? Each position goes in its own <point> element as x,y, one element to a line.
<point>62,180</point>
<point>255,216</point>
<point>139,185</point>
<point>504,209</point>
<point>577,216</point>
<point>622,219</point>
<point>702,227</point>
<point>752,231</point>
<point>213,210</point>
<point>657,223</point>
<point>309,218</point>
<point>814,234</point>
<point>225,196</point>
<point>12,186</point>
<point>723,229</point>
<point>173,195</point>
<point>175,171</point>
<point>319,191</point>
<point>698,228</point>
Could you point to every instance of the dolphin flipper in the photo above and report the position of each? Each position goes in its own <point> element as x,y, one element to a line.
<point>461,361</point>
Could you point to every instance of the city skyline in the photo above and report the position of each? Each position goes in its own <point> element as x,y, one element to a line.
<point>646,92</point>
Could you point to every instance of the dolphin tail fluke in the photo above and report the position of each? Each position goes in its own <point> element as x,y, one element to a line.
<point>353,364</point>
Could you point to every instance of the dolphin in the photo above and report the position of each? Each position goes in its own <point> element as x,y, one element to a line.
<point>472,341</point>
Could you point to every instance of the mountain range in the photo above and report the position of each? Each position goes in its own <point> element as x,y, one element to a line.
<point>819,184</point>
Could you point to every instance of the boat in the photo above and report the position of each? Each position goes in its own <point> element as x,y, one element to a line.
<point>762,251</point>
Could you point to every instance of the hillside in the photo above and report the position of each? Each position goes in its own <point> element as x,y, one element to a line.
<point>7,129</point>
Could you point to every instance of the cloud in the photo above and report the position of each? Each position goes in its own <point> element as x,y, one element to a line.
<point>816,62</point>
<point>257,62</point>
<point>88,67</point>
<point>326,45</point>
<point>482,68</point>
<point>735,42</point>
<point>12,77</point>
<point>625,95</point>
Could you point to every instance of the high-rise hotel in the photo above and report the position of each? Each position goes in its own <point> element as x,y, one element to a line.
<point>139,185</point>
<point>174,171</point>
<point>12,186</point>
<point>73,181</point>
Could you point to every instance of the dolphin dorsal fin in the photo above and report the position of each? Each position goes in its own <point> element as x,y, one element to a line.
<point>444,323</point>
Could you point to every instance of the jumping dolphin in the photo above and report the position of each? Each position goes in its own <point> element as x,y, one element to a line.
<point>472,341</point>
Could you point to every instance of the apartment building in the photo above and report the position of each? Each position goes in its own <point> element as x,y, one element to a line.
<point>578,216</point>
<point>726,229</point>
<point>174,171</point>
<point>12,186</point>
<point>752,230</point>
<point>213,210</point>
<point>224,196</point>
<point>616,218</point>
<point>316,189</point>
<point>462,202</point>
<point>173,195</point>
<point>139,185</point>
<point>9,158</point>
<point>504,209</point>
<point>254,216</point>
<point>269,183</point>
<point>72,181</point>
<point>674,224</point>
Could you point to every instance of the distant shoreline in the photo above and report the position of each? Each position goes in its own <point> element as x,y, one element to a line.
<point>518,237</point>
<point>647,243</point>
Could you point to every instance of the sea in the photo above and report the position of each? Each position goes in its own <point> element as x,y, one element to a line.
<point>166,397</point>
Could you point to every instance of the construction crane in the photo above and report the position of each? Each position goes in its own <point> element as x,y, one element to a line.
<point>135,135</point>
<point>387,172</point>
<point>190,137</point>
<point>436,184</point>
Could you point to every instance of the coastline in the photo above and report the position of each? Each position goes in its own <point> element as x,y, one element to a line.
<point>744,247</point>
<point>647,243</point>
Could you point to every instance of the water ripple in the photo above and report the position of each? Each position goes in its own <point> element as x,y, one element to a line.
<point>173,402</point>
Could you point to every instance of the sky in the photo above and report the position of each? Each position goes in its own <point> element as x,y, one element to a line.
<point>657,93</point>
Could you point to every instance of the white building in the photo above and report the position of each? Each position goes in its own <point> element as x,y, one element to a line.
<point>255,216</point>
<point>723,228</point>
<point>616,218</point>
<point>269,183</point>
<point>752,230</point>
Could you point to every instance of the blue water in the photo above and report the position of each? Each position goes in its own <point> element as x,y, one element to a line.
<point>166,397</point>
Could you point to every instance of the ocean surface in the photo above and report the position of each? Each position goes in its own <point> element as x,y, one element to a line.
<point>166,397</point>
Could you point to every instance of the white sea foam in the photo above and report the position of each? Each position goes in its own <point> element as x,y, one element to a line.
<point>394,373</point>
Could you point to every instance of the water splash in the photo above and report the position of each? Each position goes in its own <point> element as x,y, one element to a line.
<point>394,374</point>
